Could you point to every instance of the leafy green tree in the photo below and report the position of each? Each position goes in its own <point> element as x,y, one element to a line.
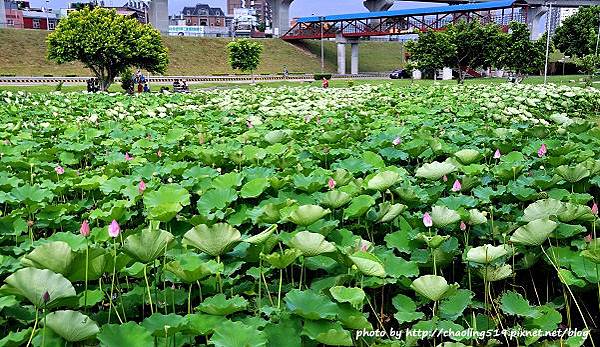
<point>577,34</point>
<point>519,53</point>
<point>107,43</point>
<point>244,55</point>
<point>431,51</point>
<point>589,64</point>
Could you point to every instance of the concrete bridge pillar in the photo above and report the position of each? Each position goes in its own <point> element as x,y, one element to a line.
<point>341,58</point>
<point>158,14</point>
<point>280,10</point>
<point>376,6</point>
<point>354,58</point>
<point>534,21</point>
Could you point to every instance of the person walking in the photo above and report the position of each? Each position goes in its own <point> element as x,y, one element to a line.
<point>286,73</point>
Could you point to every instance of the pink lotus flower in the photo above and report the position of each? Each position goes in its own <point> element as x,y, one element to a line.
<point>595,209</point>
<point>497,154</point>
<point>456,187</point>
<point>159,153</point>
<point>142,186</point>
<point>445,178</point>
<point>59,170</point>
<point>427,221</point>
<point>396,141</point>
<point>46,297</point>
<point>84,230</point>
<point>543,150</point>
<point>463,226</point>
<point>588,238</point>
<point>364,246</point>
<point>114,229</point>
<point>331,183</point>
<point>249,124</point>
<point>128,157</point>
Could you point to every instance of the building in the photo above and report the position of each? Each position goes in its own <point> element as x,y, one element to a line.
<point>558,15</point>
<point>12,15</point>
<point>200,15</point>
<point>262,8</point>
<point>39,20</point>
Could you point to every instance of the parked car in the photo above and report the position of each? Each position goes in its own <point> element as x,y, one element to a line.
<point>398,74</point>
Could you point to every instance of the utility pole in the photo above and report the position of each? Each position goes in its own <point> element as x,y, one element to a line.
<point>597,35</point>
<point>47,16</point>
<point>322,49</point>
<point>547,42</point>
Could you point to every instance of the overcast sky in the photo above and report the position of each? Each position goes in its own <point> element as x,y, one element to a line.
<point>299,8</point>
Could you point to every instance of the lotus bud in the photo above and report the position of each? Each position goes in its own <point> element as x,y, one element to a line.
<point>128,157</point>
<point>364,246</point>
<point>497,154</point>
<point>46,297</point>
<point>114,229</point>
<point>427,221</point>
<point>456,187</point>
<point>159,153</point>
<point>595,209</point>
<point>396,141</point>
<point>445,178</point>
<point>331,183</point>
<point>542,151</point>
<point>463,226</point>
<point>142,186</point>
<point>588,238</point>
<point>85,228</point>
<point>30,223</point>
<point>59,170</point>
<point>249,124</point>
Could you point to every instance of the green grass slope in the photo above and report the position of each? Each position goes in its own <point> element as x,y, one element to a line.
<point>23,53</point>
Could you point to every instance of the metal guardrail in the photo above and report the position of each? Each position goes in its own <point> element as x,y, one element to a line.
<point>25,80</point>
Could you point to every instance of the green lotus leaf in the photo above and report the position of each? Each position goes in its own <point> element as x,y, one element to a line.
<point>219,305</point>
<point>228,180</point>
<point>486,254</point>
<point>191,268</point>
<point>443,216</point>
<point>388,212</point>
<point>359,206</point>
<point>310,305</point>
<point>575,212</point>
<point>229,334</point>
<point>127,334</point>
<point>307,214</point>
<point>406,310</point>
<point>335,199</point>
<point>434,241</point>
<point>433,287</point>
<point>354,296</point>
<point>15,339</point>
<point>368,264</point>
<point>543,209</point>
<point>476,217</point>
<point>573,174</point>
<point>567,277</point>
<point>71,325</point>
<point>261,237</point>
<point>55,256</point>
<point>147,245</point>
<point>254,188</point>
<point>327,333</point>
<point>163,204</point>
<point>467,156</point>
<point>492,274</point>
<point>353,318</point>
<point>203,324</point>
<point>534,233</point>
<point>159,324</point>
<point>592,252</point>
<point>216,199</point>
<point>435,170</point>
<point>383,180</point>
<point>281,261</point>
<point>514,304</point>
<point>99,262</point>
<point>30,194</point>
<point>452,306</point>
<point>275,136</point>
<point>32,283</point>
<point>214,240</point>
<point>311,244</point>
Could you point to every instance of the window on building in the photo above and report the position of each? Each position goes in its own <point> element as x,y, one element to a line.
<point>36,23</point>
<point>188,22</point>
<point>203,22</point>
<point>51,25</point>
<point>10,22</point>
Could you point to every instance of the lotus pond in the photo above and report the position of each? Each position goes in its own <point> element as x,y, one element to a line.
<point>300,217</point>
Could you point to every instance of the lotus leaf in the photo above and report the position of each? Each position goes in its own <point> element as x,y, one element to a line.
<point>327,333</point>
<point>283,260</point>
<point>148,245</point>
<point>71,325</point>
<point>55,256</point>
<point>368,264</point>
<point>573,174</point>
<point>534,233</point>
<point>384,180</point>
<point>164,203</point>
<point>308,214</point>
<point>406,310</point>
<point>32,283</point>
<point>492,274</point>
<point>190,268</point>
<point>335,199</point>
<point>433,287</point>
<point>219,305</point>
<point>543,209</point>
<point>354,296</point>
<point>310,305</point>
<point>311,244</point>
<point>127,334</point>
<point>435,170</point>
<point>359,206</point>
<point>443,216</point>
<point>237,334</point>
<point>467,156</point>
<point>486,254</point>
<point>214,240</point>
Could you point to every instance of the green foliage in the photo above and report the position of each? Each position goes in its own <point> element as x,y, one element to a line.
<point>244,54</point>
<point>107,43</point>
<point>589,64</point>
<point>519,53</point>
<point>126,79</point>
<point>576,36</point>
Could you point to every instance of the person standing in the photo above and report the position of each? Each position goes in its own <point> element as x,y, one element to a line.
<point>285,72</point>
<point>325,83</point>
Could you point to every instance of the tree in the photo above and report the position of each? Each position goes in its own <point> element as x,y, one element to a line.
<point>519,53</point>
<point>589,64</point>
<point>107,44</point>
<point>244,55</point>
<point>431,50</point>
<point>577,34</point>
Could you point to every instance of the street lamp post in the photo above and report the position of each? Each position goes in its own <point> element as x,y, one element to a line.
<point>322,49</point>
<point>547,42</point>
<point>597,35</point>
<point>47,16</point>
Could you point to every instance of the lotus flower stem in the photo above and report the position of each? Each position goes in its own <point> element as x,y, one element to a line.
<point>267,288</point>
<point>279,289</point>
<point>44,330</point>
<point>219,282</point>
<point>148,288</point>
<point>259,284</point>
<point>112,286</point>
<point>34,327</point>
<point>189,306</point>
<point>87,261</point>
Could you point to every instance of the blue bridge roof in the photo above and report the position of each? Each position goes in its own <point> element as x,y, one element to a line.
<point>480,6</point>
